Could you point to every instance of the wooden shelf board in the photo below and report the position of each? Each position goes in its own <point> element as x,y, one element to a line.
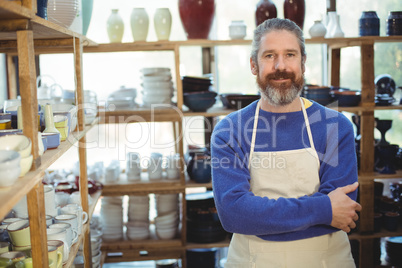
<point>193,184</point>
<point>139,244</point>
<point>10,10</point>
<point>377,175</point>
<point>382,233</point>
<point>143,186</point>
<point>11,195</point>
<point>140,115</point>
<point>214,111</point>
<point>220,244</point>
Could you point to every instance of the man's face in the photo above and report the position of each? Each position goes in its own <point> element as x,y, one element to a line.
<point>279,68</point>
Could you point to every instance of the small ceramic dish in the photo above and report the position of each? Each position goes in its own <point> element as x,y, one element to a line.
<point>19,143</point>
<point>53,140</point>
<point>4,132</point>
<point>25,165</point>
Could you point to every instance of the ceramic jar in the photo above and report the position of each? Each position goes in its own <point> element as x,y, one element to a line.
<point>115,27</point>
<point>162,23</point>
<point>295,11</point>
<point>394,23</point>
<point>197,17</point>
<point>139,21</point>
<point>41,8</point>
<point>369,24</point>
<point>87,6</point>
<point>265,9</point>
<point>334,27</point>
<point>318,29</point>
<point>237,29</point>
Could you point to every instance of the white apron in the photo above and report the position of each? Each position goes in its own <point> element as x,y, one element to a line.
<point>289,174</point>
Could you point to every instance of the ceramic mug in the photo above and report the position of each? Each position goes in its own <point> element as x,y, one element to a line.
<point>60,250</point>
<point>4,247</point>
<point>9,259</point>
<point>55,257</point>
<point>71,236</point>
<point>21,208</point>
<point>50,200</point>
<point>60,235</point>
<point>68,218</point>
<point>82,216</point>
<point>155,166</point>
<point>19,233</point>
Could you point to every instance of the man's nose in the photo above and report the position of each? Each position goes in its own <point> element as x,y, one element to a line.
<point>280,63</point>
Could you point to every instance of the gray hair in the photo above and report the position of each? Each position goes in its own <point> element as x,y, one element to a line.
<point>276,24</point>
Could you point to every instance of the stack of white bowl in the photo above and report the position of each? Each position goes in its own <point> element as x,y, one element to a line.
<point>157,86</point>
<point>167,221</point>
<point>112,218</point>
<point>96,243</point>
<point>138,217</point>
<point>62,12</point>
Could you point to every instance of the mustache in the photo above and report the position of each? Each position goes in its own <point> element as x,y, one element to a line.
<point>281,74</point>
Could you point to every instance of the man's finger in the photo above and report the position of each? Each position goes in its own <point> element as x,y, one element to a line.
<point>350,188</point>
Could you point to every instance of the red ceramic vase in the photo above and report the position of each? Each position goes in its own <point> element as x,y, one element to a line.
<point>295,11</point>
<point>265,9</point>
<point>197,17</point>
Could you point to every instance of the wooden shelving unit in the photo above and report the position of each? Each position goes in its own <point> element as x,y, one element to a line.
<point>365,110</point>
<point>23,34</point>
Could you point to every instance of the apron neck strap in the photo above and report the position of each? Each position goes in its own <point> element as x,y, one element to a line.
<point>254,133</point>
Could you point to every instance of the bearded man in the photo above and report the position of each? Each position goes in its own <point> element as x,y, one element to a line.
<point>284,168</point>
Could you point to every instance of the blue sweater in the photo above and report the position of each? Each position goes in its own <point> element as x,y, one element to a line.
<point>283,219</point>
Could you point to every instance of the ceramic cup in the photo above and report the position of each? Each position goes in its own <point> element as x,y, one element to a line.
<point>60,250</point>
<point>21,208</point>
<point>75,198</point>
<point>71,236</point>
<point>9,259</point>
<point>155,166</point>
<point>55,257</point>
<point>50,200</point>
<point>133,166</point>
<point>4,247</point>
<point>19,233</point>
<point>68,218</point>
<point>60,235</point>
<point>82,216</point>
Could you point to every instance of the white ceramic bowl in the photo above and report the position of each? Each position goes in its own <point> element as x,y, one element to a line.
<point>19,143</point>
<point>154,78</point>
<point>25,164</point>
<point>167,233</point>
<point>155,71</point>
<point>157,84</point>
<point>9,176</point>
<point>9,159</point>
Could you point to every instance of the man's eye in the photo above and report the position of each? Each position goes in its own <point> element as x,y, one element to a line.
<point>290,55</point>
<point>269,56</point>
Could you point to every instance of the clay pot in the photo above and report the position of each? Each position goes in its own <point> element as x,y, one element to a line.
<point>197,17</point>
<point>295,11</point>
<point>265,9</point>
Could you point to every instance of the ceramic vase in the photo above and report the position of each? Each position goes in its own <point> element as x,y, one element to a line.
<point>115,27</point>
<point>87,6</point>
<point>197,17</point>
<point>162,23</point>
<point>139,21</point>
<point>394,23</point>
<point>369,24</point>
<point>41,8</point>
<point>265,9</point>
<point>318,29</point>
<point>295,11</point>
<point>334,27</point>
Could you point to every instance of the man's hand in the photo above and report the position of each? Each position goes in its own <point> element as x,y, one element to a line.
<point>343,208</point>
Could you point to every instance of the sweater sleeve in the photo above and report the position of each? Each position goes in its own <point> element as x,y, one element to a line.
<point>240,211</point>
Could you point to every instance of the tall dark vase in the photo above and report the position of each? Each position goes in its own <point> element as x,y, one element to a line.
<point>197,17</point>
<point>295,10</point>
<point>265,9</point>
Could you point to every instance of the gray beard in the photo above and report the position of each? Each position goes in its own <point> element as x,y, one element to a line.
<point>280,97</point>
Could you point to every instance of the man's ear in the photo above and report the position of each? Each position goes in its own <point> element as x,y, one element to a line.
<point>254,67</point>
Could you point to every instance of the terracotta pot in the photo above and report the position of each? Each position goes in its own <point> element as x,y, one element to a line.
<point>197,17</point>
<point>265,9</point>
<point>295,11</point>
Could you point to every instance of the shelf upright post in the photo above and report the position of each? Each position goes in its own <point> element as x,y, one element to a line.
<point>179,84</point>
<point>83,180</point>
<point>29,102</point>
<point>37,225</point>
<point>335,63</point>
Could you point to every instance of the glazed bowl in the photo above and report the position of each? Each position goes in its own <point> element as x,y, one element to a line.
<point>19,143</point>
<point>25,165</point>
<point>346,98</point>
<point>199,101</point>
<point>155,71</point>
<point>9,167</point>
<point>4,132</point>
<point>68,110</point>
<point>53,140</point>
<point>238,101</point>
